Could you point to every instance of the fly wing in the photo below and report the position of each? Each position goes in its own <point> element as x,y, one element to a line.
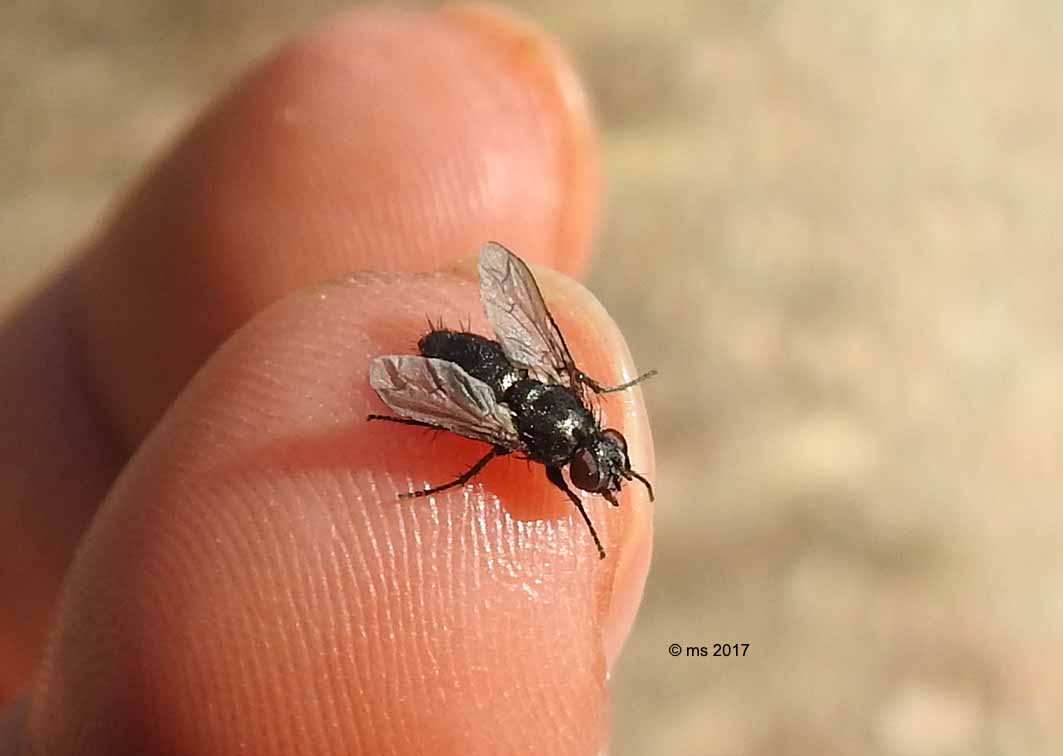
<point>522,323</point>
<point>440,393</point>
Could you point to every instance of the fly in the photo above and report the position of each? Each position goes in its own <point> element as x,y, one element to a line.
<point>521,392</point>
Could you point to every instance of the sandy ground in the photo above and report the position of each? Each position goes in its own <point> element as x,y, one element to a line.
<point>834,228</point>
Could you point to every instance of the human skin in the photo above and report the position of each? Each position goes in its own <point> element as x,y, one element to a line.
<point>185,407</point>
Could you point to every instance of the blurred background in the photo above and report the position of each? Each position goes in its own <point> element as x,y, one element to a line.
<point>834,228</point>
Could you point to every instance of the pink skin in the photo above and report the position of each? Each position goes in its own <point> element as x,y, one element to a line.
<point>250,581</point>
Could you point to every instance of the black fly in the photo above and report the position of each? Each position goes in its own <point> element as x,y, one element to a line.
<point>522,394</point>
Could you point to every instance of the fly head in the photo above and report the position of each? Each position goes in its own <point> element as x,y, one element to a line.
<point>601,463</point>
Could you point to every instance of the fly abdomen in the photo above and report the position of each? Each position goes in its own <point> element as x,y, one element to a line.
<point>480,357</point>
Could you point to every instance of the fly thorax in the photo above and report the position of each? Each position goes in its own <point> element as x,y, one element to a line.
<point>550,419</point>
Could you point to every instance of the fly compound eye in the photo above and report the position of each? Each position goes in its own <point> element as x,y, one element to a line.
<point>585,471</point>
<point>617,438</point>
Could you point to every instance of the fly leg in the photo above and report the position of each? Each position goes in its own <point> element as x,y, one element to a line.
<point>405,421</point>
<point>555,477</point>
<point>631,474</point>
<point>600,389</point>
<point>465,477</point>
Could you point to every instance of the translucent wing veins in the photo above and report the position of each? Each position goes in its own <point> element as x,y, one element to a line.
<point>521,321</point>
<point>440,393</point>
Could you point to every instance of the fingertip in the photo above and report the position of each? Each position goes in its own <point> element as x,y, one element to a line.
<point>275,595</point>
<point>543,61</point>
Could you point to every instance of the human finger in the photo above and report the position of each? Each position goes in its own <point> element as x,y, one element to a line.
<point>350,148</point>
<point>275,596</point>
